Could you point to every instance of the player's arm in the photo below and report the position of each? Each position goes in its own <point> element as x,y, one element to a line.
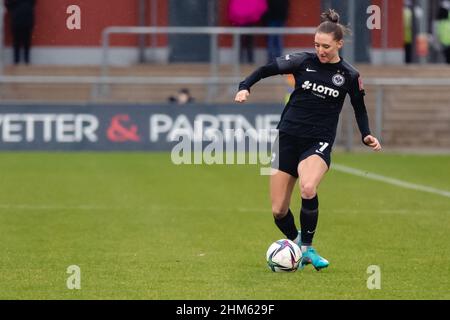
<point>357,99</point>
<point>283,65</point>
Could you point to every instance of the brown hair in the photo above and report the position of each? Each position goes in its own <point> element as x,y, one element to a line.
<point>330,24</point>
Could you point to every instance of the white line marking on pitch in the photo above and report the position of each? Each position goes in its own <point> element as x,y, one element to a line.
<point>396,182</point>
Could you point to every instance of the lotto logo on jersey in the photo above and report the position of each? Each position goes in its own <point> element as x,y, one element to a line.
<point>308,85</point>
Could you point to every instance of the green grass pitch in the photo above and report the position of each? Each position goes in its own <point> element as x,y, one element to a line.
<point>140,227</point>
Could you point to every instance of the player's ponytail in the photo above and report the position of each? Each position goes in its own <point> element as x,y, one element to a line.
<point>330,15</point>
<point>330,24</point>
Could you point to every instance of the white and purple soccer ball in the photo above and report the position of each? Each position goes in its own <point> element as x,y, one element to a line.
<point>283,256</point>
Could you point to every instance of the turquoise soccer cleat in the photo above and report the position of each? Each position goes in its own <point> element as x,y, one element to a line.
<point>310,256</point>
<point>299,239</point>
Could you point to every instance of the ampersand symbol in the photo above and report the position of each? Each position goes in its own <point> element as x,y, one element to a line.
<point>118,133</point>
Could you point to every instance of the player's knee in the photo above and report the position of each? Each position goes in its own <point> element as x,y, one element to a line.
<point>279,210</point>
<point>309,190</point>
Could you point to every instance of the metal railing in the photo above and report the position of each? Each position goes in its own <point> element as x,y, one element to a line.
<point>213,32</point>
<point>200,80</point>
<point>379,83</point>
<point>100,83</point>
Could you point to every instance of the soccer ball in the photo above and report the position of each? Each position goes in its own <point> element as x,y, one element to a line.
<point>283,256</point>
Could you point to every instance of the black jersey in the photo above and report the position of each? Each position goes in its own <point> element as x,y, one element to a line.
<point>320,89</point>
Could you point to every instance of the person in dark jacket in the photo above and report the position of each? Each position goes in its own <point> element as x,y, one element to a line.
<point>276,16</point>
<point>22,22</point>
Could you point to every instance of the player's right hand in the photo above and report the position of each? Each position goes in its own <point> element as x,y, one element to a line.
<point>241,96</point>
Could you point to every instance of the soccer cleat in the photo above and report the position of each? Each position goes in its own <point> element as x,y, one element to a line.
<point>310,256</point>
<point>299,239</point>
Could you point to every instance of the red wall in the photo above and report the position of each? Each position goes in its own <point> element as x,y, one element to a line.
<point>395,25</point>
<point>51,16</point>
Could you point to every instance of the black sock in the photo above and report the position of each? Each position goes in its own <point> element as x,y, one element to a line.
<point>287,225</point>
<point>309,214</point>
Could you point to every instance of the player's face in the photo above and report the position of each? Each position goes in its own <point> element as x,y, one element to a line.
<point>327,48</point>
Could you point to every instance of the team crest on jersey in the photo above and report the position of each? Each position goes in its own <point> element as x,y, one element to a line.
<point>338,80</point>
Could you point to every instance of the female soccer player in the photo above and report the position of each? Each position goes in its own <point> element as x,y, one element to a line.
<point>307,127</point>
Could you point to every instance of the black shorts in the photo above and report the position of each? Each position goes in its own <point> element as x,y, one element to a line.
<point>288,151</point>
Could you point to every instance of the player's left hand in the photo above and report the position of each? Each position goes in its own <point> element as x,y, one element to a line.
<point>372,142</point>
<point>242,96</point>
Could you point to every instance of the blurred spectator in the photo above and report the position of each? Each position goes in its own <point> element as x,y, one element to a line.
<point>443,31</point>
<point>183,97</point>
<point>245,14</point>
<point>407,26</point>
<point>276,17</point>
<point>22,22</point>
